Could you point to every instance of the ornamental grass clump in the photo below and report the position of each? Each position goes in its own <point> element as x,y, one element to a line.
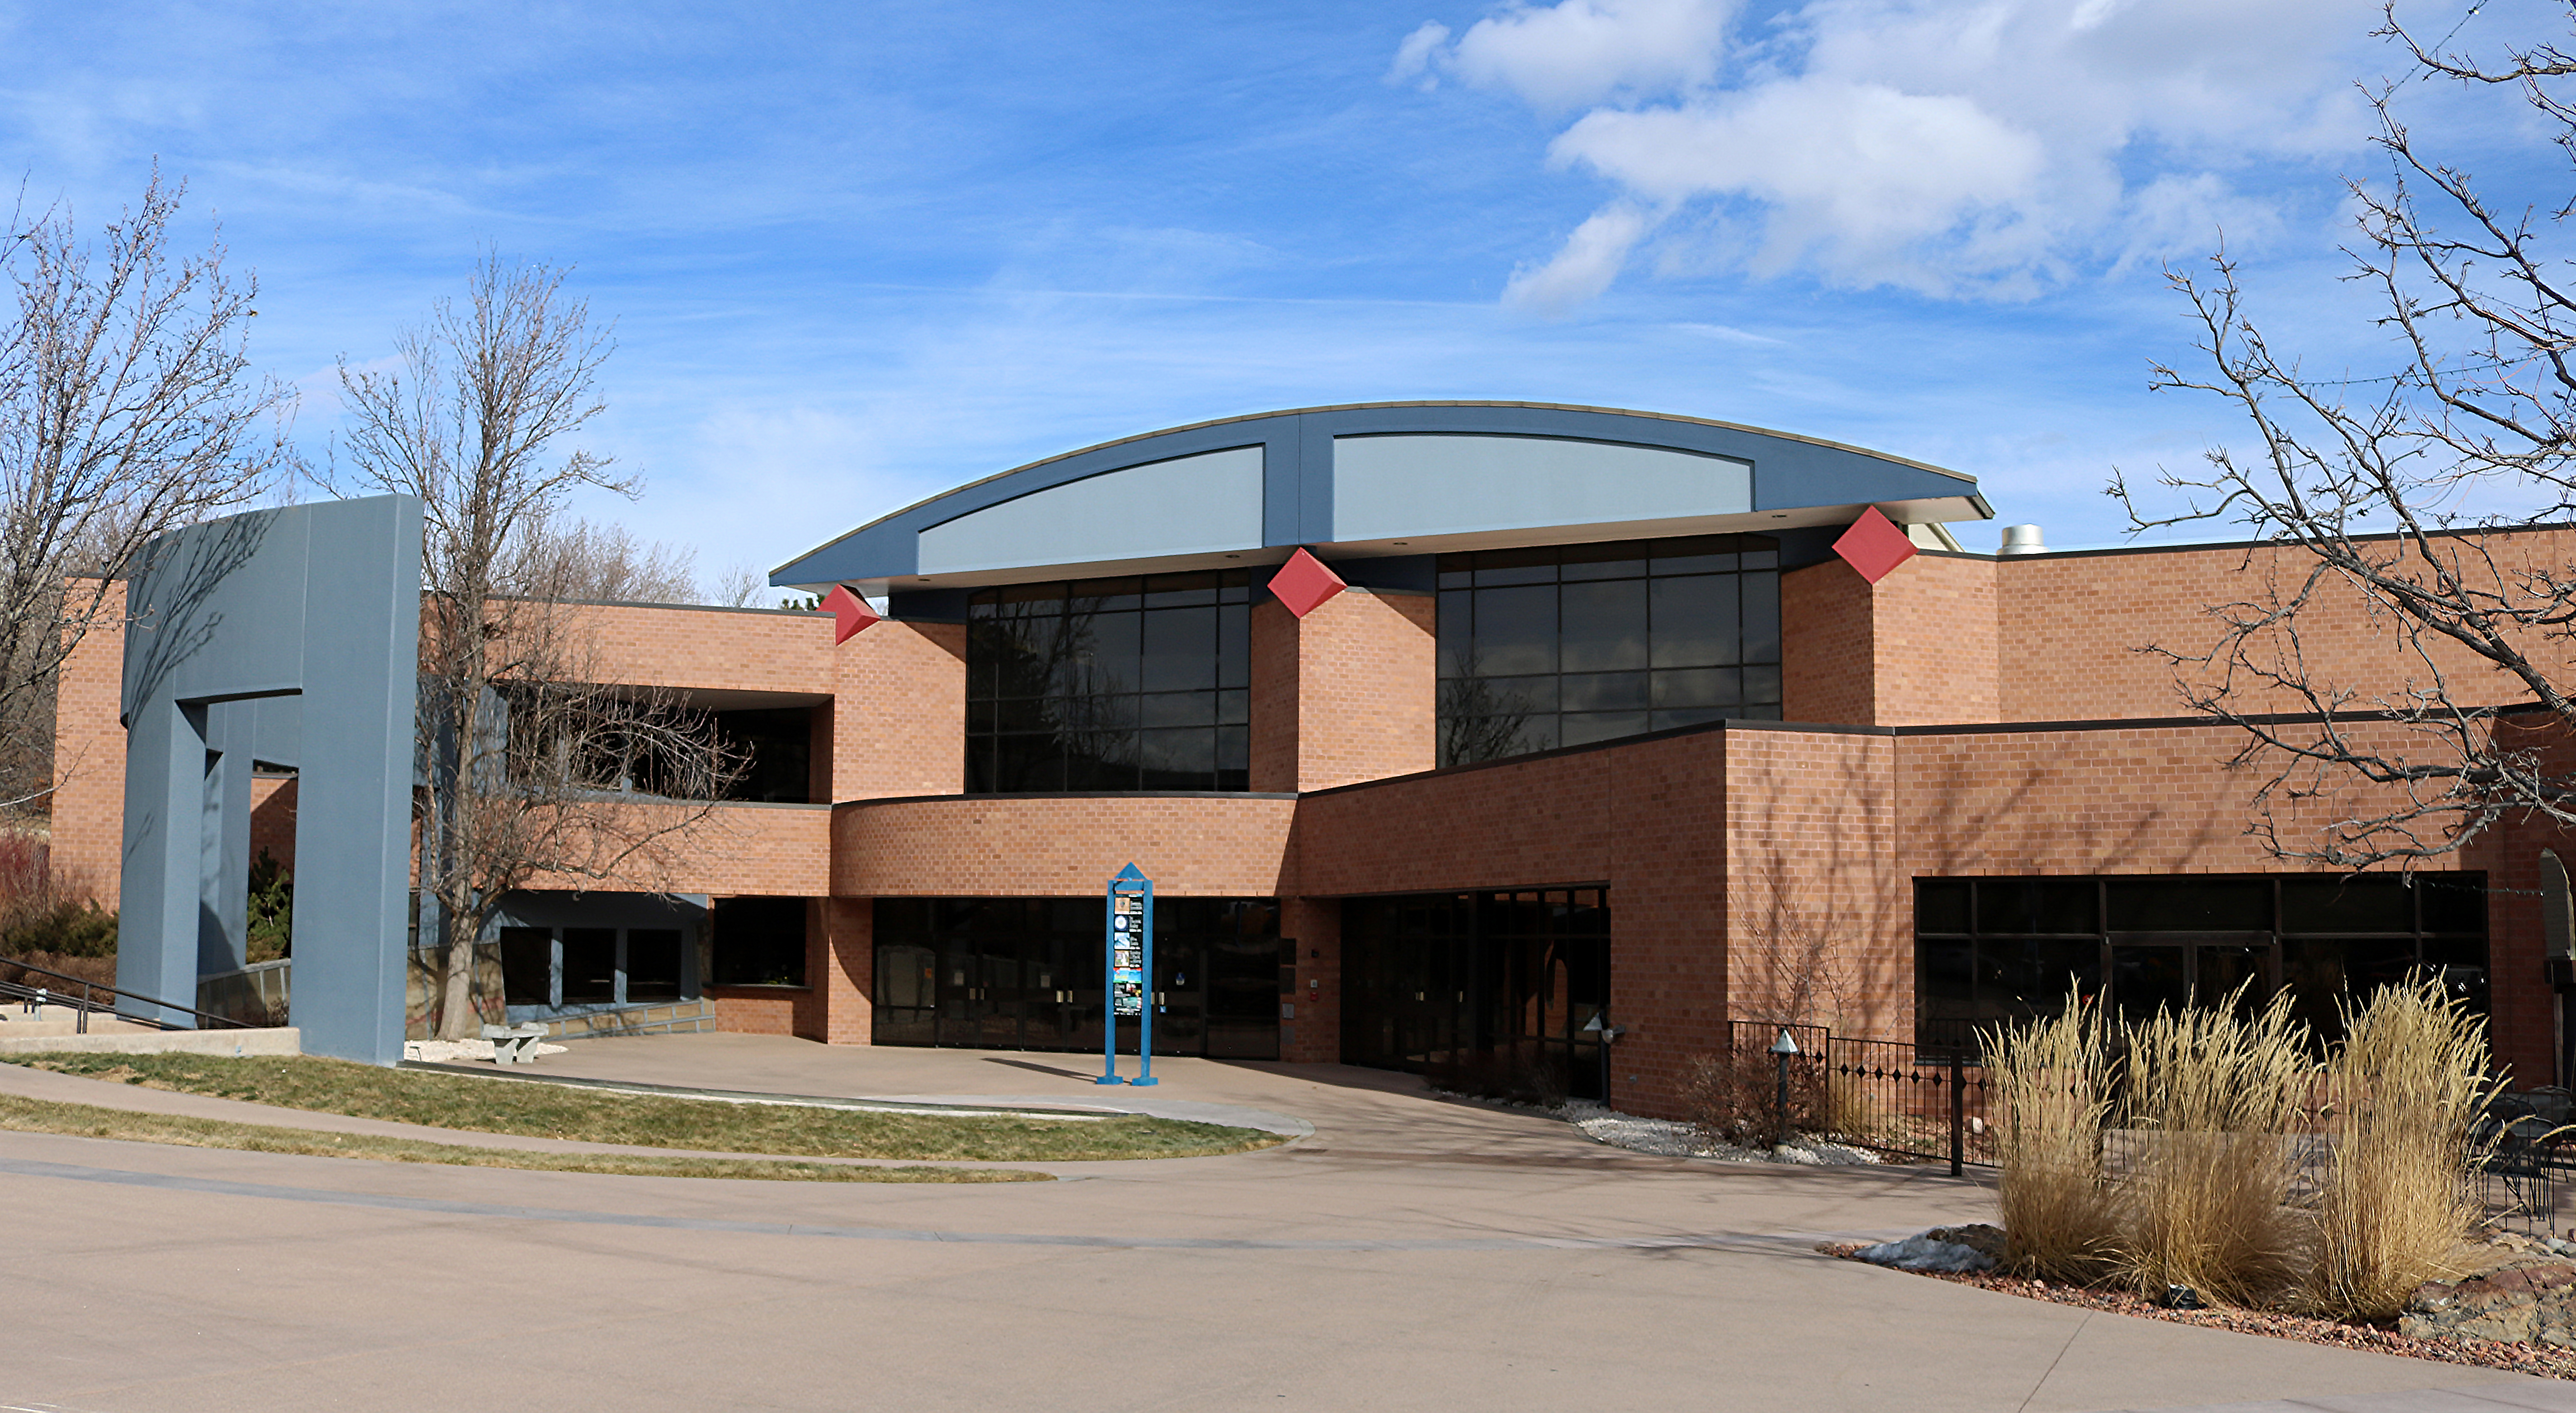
<point>2217,1097</point>
<point>2394,1204</point>
<point>2052,1084</point>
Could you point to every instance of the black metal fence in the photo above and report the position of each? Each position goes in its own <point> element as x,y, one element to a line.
<point>2526,1178</point>
<point>1889,1096</point>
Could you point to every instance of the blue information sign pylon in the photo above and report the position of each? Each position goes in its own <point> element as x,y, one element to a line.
<point>1129,936</point>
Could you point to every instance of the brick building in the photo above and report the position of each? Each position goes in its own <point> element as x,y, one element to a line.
<point>1564,716</point>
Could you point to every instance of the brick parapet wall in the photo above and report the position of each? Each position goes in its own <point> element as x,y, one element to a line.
<point>1367,688</point>
<point>1934,653</point>
<point>760,850</point>
<point>899,719</point>
<point>1061,846</point>
<point>1828,646</point>
<point>2075,628</point>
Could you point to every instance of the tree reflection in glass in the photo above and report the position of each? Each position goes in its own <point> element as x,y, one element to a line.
<point>1109,684</point>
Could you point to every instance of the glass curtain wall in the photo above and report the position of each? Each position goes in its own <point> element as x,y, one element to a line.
<point>1028,974</point>
<point>1564,645</point>
<point>1999,949</point>
<point>1110,684</point>
<point>1434,978</point>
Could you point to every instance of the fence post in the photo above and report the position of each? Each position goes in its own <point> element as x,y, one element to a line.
<point>1958,1113</point>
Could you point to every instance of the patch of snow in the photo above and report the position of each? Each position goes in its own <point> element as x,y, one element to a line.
<point>448,1052</point>
<point>1672,1139</point>
<point>1923,1253</point>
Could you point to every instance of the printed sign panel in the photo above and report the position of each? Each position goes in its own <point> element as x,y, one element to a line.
<point>1127,957</point>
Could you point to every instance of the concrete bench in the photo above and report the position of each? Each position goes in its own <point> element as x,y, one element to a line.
<point>514,1044</point>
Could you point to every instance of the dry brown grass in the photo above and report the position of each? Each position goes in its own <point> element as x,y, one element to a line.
<point>2394,1209</point>
<point>2217,1096</point>
<point>92,1121</point>
<point>2052,1084</point>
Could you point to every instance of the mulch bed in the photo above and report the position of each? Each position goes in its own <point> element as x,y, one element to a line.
<point>2542,1360</point>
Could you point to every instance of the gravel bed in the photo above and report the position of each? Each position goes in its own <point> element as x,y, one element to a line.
<point>2536,1359</point>
<point>1679,1140</point>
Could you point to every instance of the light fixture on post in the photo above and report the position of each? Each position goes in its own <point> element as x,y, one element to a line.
<point>1781,1050</point>
<point>1600,1028</point>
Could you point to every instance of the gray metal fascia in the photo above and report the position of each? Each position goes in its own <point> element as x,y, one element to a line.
<point>1790,471</point>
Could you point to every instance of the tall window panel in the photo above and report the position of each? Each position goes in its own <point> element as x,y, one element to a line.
<point>1109,684</point>
<point>1564,645</point>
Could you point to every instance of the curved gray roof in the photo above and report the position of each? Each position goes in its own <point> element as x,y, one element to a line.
<point>1392,478</point>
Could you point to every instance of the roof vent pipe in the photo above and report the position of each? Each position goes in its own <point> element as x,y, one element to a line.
<point>2022,539</point>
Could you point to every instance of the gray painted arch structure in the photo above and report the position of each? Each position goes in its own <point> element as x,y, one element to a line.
<point>1378,480</point>
<point>286,638</point>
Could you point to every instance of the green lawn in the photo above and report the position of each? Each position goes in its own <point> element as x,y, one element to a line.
<point>91,1121</point>
<point>658,1121</point>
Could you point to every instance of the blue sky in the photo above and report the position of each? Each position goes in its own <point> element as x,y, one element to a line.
<point>858,253</point>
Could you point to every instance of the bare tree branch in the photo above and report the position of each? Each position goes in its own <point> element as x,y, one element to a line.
<point>540,772</point>
<point>127,409</point>
<point>2402,503</point>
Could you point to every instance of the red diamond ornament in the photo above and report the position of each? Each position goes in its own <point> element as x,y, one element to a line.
<point>850,613</point>
<point>1874,546</point>
<point>1304,584</point>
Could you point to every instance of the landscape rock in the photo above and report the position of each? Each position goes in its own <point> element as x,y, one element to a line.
<point>1926,1252</point>
<point>2532,1302</point>
<point>1981,1235</point>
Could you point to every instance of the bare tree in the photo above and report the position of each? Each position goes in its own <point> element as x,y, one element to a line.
<point>538,770</point>
<point>2393,499</point>
<point>580,562</point>
<point>127,409</point>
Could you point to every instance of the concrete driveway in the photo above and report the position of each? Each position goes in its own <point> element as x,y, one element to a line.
<point>1410,1254</point>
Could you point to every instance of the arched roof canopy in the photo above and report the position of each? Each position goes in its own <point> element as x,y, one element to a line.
<point>1376,480</point>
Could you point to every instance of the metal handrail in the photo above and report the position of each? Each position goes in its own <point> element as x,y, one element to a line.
<point>85,1005</point>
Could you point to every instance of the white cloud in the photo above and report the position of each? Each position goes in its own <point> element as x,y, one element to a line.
<point>1947,146</point>
<point>1413,56</point>
<point>1586,265</point>
<point>1584,51</point>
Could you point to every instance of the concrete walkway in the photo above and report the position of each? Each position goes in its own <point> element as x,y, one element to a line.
<point>1410,1253</point>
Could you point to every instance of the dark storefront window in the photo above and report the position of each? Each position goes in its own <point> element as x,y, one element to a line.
<point>1027,974</point>
<point>1110,684</point>
<point>1566,645</point>
<point>1998,949</point>
<point>758,941</point>
<point>772,751</point>
<point>1433,979</point>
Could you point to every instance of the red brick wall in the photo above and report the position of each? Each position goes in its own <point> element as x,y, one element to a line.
<point>1935,649</point>
<point>1919,647</point>
<point>1347,693</point>
<point>1819,918</point>
<point>841,968</point>
<point>89,757</point>
<point>1647,819</point>
<point>2072,628</point>
<point>899,719</point>
<point>755,1010</point>
<point>1312,928</point>
<point>272,819</point>
<point>1272,677</point>
<point>1828,645</point>
<point>1367,666</point>
<point>1064,847</point>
